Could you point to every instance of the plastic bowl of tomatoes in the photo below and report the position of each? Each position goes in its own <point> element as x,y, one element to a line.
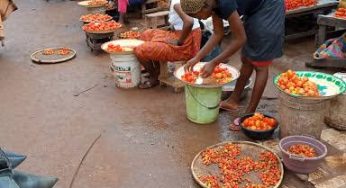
<point>258,126</point>
<point>302,154</point>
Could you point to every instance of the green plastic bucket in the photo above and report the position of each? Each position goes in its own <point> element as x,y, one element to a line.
<point>202,104</point>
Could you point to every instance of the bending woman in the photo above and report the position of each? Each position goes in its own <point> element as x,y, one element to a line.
<point>181,44</point>
<point>261,38</point>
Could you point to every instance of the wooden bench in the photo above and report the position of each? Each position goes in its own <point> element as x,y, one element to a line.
<point>151,6</point>
<point>167,78</point>
<point>152,19</point>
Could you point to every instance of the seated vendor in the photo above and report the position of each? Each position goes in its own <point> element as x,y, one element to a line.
<point>181,44</point>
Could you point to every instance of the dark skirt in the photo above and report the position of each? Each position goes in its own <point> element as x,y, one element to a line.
<point>265,31</point>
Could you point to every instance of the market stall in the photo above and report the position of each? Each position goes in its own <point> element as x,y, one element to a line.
<point>322,7</point>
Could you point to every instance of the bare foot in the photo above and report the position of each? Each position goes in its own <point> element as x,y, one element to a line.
<point>149,84</point>
<point>229,105</point>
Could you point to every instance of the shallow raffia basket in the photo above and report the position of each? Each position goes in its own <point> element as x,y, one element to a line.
<point>247,149</point>
<point>40,58</point>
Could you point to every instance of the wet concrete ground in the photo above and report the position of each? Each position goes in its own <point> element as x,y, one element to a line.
<point>146,140</point>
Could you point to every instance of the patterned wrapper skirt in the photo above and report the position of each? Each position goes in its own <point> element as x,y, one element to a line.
<point>156,47</point>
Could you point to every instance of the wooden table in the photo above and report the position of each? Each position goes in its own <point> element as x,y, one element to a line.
<point>323,22</point>
<point>322,7</point>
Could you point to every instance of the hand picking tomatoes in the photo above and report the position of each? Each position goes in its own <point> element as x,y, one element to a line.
<point>238,170</point>
<point>292,84</point>
<point>190,77</point>
<point>220,76</point>
<point>340,13</point>
<point>302,150</point>
<point>97,17</point>
<point>101,26</point>
<point>129,35</point>
<point>259,122</point>
<point>114,48</point>
<point>294,4</point>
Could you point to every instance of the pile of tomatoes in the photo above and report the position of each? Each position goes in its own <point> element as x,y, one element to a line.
<point>294,4</point>
<point>129,35</point>
<point>220,75</point>
<point>340,13</point>
<point>97,2</point>
<point>302,150</point>
<point>259,122</point>
<point>292,84</point>
<point>63,51</point>
<point>234,169</point>
<point>101,26</point>
<point>114,48</point>
<point>97,17</point>
<point>190,77</point>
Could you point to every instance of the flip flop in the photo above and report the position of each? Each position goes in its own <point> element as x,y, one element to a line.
<point>230,110</point>
<point>148,84</point>
<point>235,126</point>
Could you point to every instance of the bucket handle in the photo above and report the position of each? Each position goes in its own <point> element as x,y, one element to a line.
<point>205,106</point>
<point>294,157</point>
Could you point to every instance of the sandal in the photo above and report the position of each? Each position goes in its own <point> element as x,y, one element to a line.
<point>148,84</point>
<point>230,110</point>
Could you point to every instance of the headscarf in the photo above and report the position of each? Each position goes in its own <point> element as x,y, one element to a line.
<point>191,6</point>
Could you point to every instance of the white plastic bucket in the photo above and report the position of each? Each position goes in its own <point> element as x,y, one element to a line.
<point>126,70</point>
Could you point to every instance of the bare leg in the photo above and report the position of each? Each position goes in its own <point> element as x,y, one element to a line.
<point>232,103</point>
<point>260,84</point>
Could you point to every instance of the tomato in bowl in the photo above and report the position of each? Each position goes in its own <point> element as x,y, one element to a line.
<point>258,126</point>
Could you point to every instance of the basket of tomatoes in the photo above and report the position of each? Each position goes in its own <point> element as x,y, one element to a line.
<point>296,4</point>
<point>129,35</point>
<point>340,13</point>
<point>101,27</point>
<point>302,154</point>
<point>95,17</point>
<point>258,126</point>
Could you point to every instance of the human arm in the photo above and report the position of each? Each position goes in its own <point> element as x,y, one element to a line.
<point>187,25</point>
<point>238,40</point>
<point>213,41</point>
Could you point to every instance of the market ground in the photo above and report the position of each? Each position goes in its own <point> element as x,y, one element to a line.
<point>146,140</point>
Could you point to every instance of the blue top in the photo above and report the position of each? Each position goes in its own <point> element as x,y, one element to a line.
<point>244,7</point>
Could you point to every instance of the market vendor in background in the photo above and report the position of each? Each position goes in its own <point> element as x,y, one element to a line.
<point>261,38</point>
<point>180,44</point>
